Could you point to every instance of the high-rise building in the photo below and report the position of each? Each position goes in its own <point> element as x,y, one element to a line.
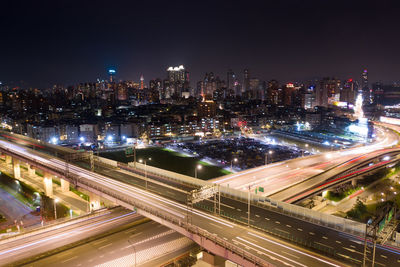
<point>122,92</point>
<point>273,92</point>
<point>209,85</point>
<point>141,82</point>
<point>246,80</point>
<point>176,74</point>
<point>366,90</point>
<point>326,91</point>
<point>254,85</point>
<point>348,93</point>
<point>112,73</point>
<point>206,109</point>
<point>230,79</point>
<point>178,79</point>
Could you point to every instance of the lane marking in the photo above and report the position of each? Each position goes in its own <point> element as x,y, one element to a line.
<point>72,258</point>
<point>282,230</point>
<point>293,249</point>
<point>276,254</point>
<point>105,246</point>
<point>322,244</point>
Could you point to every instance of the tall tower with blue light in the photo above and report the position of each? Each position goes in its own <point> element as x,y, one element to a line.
<point>112,73</point>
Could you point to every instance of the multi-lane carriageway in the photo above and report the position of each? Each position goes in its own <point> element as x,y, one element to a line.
<point>240,239</point>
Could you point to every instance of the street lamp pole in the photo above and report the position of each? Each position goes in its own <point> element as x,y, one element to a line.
<point>248,209</point>
<point>219,200</point>
<point>55,208</point>
<point>145,169</point>
<point>134,156</point>
<point>267,157</point>
<point>134,249</point>
<point>195,170</point>
<point>234,160</point>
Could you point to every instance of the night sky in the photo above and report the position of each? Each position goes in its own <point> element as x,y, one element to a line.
<point>66,42</point>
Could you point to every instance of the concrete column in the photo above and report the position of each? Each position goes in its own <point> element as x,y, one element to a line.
<point>94,201</point>
<point>48,184</point>
<point>64,185</point>
<point>354,182</point>
<point>17,169</point>
<point>8,159</point>
<point>31,171</point>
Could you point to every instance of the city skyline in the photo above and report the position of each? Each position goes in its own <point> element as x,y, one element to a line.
<point>67,43</point>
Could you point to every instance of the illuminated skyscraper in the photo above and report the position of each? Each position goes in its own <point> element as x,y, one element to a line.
<point>366,91</point>
<point>141,82</point>
<point>112,73</point>
<point>348,92</point>
<point>178,79</point>
<point>230,80</point>
<point>246,81</point>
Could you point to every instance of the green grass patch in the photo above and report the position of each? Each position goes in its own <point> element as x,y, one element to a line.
<point>359,212</point>
<point>13,229</point>
<point>333,196</point>
<point>173,161</point>
<point>79,193</point>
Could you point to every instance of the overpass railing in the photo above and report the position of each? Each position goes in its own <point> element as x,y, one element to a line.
<point>305,214</point>
<point>122,198</point>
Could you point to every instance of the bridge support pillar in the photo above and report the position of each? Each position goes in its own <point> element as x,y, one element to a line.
<point>16,168</point>
<point>48,184</point>
<point>64,185</point>
<point>94,201</point>
<point>31,171</point>
<point>8,159</point>
<point>354,182</point>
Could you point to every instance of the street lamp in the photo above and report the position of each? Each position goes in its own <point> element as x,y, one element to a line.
<point>55,208</point>
<point>248,209</point>
<point>267,156</point>
<point>198,167</point>
<point>134,249</point>
<point>302,151</point>
<point>145,169</point>
<point>234,160</point>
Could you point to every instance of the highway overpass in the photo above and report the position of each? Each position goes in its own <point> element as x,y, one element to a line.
<point>224,235</point>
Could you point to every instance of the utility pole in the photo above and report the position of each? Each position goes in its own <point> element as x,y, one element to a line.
<point>248,209</point>
<point>134,156</point>
<point>219,200</point>
<point>91,158</point>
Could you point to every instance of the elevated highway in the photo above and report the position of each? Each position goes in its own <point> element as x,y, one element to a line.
<point>219,226</point>
<point>348,171</point>
<point>278,177</point>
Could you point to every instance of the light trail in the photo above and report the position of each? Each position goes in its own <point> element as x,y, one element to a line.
<point>74,231</point>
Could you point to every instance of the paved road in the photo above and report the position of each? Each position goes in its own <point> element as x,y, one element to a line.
<point>35,244</point>
<point>297,231</point>
<point>76,203</point>
<point>281,175</point>
<point>336,175</point>
<point>264,246</point>
<point>13,209</point>
<point>147,243</point>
